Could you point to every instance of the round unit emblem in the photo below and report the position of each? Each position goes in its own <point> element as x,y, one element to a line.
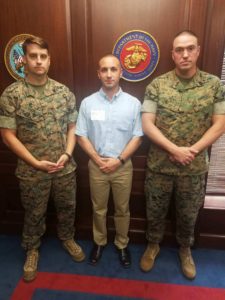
<point>14,56</point>
<point>138,53</point>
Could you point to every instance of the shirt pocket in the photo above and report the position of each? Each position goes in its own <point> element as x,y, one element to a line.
<point>60,113</point>
<point>61,117</point>
<point>124,126</point>
<point>204,103</point>
<point>28,116</point>
<point>29,124</point>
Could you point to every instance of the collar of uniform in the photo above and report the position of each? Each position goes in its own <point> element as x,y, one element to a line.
<point>103,94</point>
<point>49,89</point>
<point>197,80</point>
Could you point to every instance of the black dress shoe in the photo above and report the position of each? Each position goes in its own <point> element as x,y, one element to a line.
<point>96,254</point>
<point>124,257</point>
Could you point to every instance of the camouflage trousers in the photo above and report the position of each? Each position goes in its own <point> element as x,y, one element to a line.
<point>189,192</point>
<point>35,196</point>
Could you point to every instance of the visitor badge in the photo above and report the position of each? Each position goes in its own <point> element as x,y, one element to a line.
<point>98,115</point>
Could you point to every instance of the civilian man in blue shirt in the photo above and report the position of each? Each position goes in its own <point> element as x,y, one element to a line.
<point>109,131</point>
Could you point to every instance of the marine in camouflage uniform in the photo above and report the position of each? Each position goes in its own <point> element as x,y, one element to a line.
<point>182,114</point>
<point>37,121</point>
<point>41,120</point>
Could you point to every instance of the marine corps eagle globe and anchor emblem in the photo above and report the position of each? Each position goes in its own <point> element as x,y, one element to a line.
<point>138,53</point>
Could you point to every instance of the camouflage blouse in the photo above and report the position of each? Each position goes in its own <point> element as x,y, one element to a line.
<point>183,114</point>
<point>40,120</point>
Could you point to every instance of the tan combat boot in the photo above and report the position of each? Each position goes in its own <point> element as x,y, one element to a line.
<point>148,258</point>
<point>187,263</point>
<point>30,266</point>
<point>74,250</point>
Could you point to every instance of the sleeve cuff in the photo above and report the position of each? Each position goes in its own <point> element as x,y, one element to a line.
<point>6,122</point>
<point>219,108</point>
<point>73,117</point>
<point>149,106</point>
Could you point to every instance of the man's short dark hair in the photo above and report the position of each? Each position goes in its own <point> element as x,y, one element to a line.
<point>34,40</point>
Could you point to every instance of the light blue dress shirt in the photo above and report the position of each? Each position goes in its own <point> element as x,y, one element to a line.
<point>109,124</point>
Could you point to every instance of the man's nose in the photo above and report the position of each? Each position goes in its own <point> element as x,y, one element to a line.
<point>38,59</point>
<point>185,53</point>
<point>109,73</point>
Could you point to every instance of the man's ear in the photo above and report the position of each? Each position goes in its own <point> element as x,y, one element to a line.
<point>24,60</point>
<point>172,55</point>
<point>199,49</point>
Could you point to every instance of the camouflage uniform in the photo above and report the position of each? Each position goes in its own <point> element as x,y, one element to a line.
<point>183,114</point>
<point>41,121</point>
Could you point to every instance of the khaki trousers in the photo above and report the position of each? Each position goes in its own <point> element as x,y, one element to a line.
<point>120,182</point>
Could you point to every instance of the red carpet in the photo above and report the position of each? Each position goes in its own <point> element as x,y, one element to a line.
<point>115,287</point>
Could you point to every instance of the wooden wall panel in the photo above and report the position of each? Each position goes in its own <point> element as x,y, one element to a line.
<point>102,23</point>
<point>46,18</point>
<point>49,19</point>
<point>94,33</point>
<point>79,33</point>
<point>214,38</point>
